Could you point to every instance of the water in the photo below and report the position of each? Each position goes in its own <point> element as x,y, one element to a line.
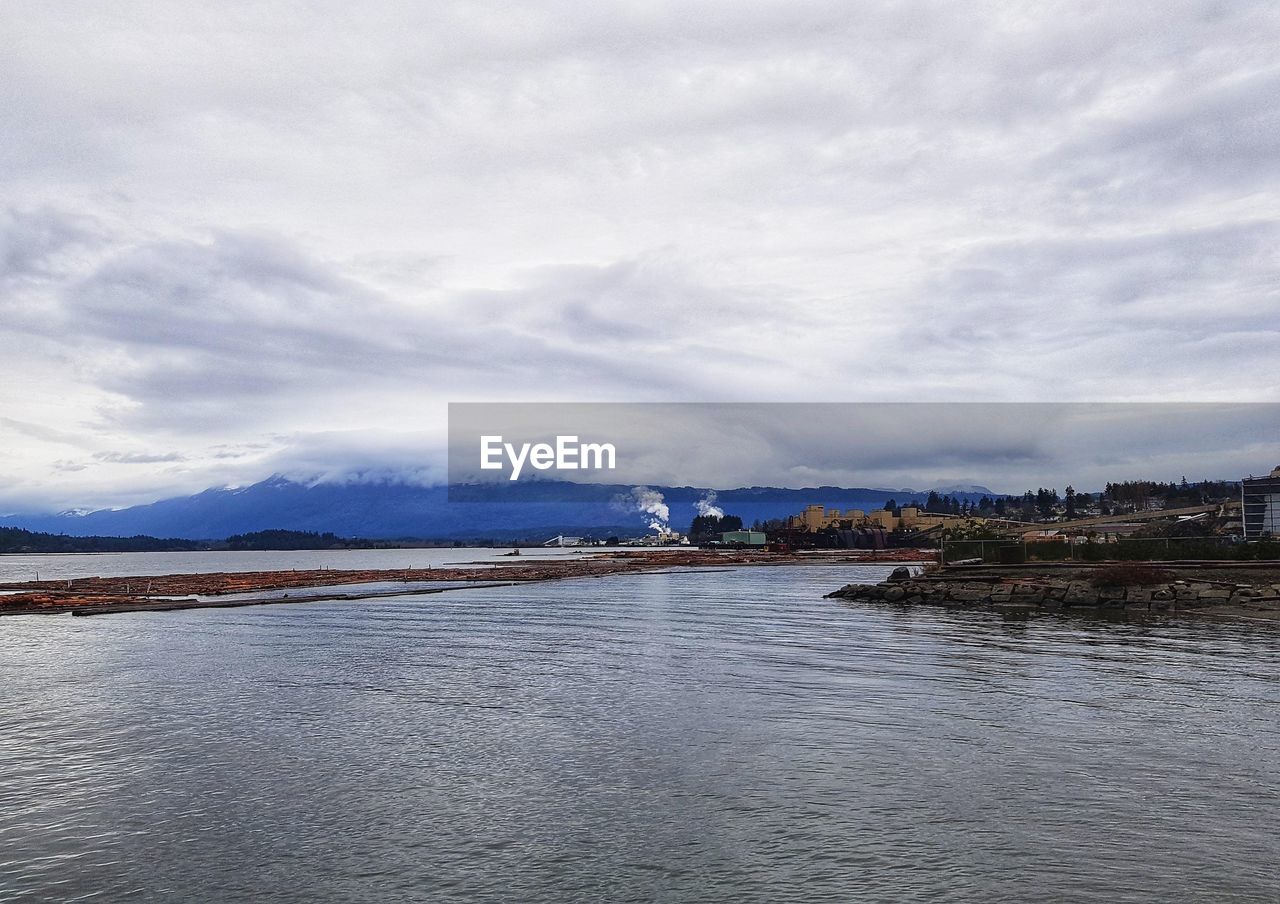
<point>60,566</point>
<point>725,736</point>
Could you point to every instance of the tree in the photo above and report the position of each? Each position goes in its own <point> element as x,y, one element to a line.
<point>1071,501</point>
<point>710,527</point>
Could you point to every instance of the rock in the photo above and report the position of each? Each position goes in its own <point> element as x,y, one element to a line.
<point>1080,594</point>
<point>901,573</point>
<point>893,594</point>
<point>971,593</point>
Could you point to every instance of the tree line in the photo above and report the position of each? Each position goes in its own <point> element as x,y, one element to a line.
<point>15,539</point>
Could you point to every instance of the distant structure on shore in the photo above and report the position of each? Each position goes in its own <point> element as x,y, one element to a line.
<point>562,541</point>
<point>817,517</point>
<point>1260,502</point>
<point>744,538</point>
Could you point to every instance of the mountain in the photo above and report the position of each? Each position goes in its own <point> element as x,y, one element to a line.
<point>526,509</point>
<point>962,489</point>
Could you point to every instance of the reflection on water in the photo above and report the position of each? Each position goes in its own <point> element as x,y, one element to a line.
<point>704,736</point>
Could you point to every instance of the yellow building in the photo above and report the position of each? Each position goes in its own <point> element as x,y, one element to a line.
<point>883,519</point>
<point>816,517</point>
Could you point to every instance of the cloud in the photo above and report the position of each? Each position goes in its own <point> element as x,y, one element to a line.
<point>229,238</point>
<point>138,458</point>
<point>1004,446</point>
<point>37,431</point>
<point>32,241</point>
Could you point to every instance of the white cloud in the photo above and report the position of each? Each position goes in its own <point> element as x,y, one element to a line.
<point>232,232</point>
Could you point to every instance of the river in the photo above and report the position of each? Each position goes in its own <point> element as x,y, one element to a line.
<point>690,736</point>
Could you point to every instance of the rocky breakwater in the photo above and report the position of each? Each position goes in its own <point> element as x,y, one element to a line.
<point>1119,588</point>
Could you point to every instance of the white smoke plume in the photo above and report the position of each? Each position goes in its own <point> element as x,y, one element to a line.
<point>650,502</point>
<point>707,507</point>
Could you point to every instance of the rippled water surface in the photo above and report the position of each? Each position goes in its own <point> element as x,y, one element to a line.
<point>725,736</point>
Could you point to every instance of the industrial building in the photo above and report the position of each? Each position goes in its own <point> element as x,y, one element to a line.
<point>1260,500</point>
<point>816,517</point>
<point>743,538</point>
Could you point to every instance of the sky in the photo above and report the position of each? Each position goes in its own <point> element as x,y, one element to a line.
<point>1007,447</point>
<point>246,239</point>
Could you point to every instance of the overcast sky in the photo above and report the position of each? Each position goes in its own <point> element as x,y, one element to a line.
<point>238,239</point>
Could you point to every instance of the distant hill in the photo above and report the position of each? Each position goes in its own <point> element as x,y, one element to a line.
<point>522,510</point>
<point>14,539</point>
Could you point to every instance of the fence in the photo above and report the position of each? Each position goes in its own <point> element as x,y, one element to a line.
<point>1134,549</point>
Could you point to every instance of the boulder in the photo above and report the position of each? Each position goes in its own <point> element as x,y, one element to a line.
<point>1080,593</point>
<point>901,573</point>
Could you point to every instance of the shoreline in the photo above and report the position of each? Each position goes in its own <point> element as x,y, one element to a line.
<point>1234,591</point>
<point>172,592</point>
